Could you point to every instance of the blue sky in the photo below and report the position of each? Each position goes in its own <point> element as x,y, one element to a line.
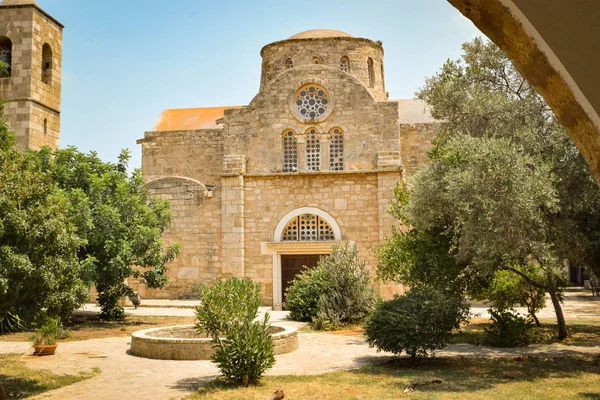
<point>124,61</point>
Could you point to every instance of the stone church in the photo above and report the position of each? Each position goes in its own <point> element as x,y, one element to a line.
<point>263,189</point>
<point>260,190</point>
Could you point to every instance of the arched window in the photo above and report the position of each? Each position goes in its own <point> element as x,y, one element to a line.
<point>371,72</point>
<point>289,63</point>
<point>345,64</point>
<point>307,227</point>
<point>317,60</point>
<point>265,72</point>
<point>6,55</point>
<point>313,150</point>
<point>45,126</point>
<point>290,152</point>
<point>336,150</point>
<point>46,63</point>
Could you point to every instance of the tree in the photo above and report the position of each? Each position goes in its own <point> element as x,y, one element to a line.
<point>40,271</point>
<point>506,188</point>
<point>120,224</point>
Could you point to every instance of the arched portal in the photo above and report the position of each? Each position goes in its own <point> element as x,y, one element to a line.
<point>300,238</point>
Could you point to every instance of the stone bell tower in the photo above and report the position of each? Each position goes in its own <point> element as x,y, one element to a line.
<point>31,47</point>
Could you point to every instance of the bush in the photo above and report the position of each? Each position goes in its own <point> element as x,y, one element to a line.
<point>418,323</point>
<point>246,353</point>
<point>304,293</point>
<point>244,349</point>
<point>10,322</point>
<point>49,333</point>
<point>337,292</point>
<point>508,289</point>
<point>508,329</point>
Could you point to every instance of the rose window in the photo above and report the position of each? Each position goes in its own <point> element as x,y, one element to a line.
<point>312,101</point>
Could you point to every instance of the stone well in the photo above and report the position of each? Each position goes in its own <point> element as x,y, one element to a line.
<point>182,343</point>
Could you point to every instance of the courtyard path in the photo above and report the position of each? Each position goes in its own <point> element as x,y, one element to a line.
<point>126,376</point>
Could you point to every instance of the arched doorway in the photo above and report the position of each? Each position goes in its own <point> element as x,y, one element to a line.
<point>300,238</point>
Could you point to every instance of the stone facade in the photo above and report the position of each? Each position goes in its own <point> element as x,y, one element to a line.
<point>319,144</point>
<point>31,42</point>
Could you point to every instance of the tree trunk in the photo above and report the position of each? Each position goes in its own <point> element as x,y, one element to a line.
<point>535,318</point>
<point>560,317</point>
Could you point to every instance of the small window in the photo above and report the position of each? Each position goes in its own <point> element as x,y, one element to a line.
<point>313,150</point>
<point>265,72</point>
<point>290,152</point>
<point>289,63</point>
<point>336,150</point>
<point>5,56</point>
<point>45,126</point>
<point>371,72</point>
<point>345,64</point>
<point>307,227</point>
<point>46,64</point>
<point>317,60</point>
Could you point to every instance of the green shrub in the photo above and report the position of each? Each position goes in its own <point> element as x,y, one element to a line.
<point>10,322</point>
<point>246,354</point>
<point>508,289</point>
<point>244,349</point>
<point>49,333</point>
<point>508,329</point>
<point>418,323</point>
<point>304,293</point>
<point>337,292</point>
<point>225,305</point>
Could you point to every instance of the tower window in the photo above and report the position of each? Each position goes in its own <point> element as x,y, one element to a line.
<point>289,63</point>
<point>46,63</point>
<point>336,150</point>
<point>45,126</point>
<point>317,60</point>
<point>345,64</point>
<point>290,152</point>
<point>371,72</point>
<point>5,56</point>
<point>313,150</point>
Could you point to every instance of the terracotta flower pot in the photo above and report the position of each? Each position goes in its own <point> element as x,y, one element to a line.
<point>44,350</point>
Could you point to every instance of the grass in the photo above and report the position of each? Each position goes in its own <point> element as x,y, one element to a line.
<point>517,378</point>
<point>101,329</point>
<point>581,332</point>
<point>20,382</point>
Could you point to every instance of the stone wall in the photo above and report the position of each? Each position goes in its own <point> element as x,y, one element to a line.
<point>416,142</point>
<point>351,198</point>
<point>369,126</point>
<point>196,225</point>
<point>194,154</point>
<point>329,51</point>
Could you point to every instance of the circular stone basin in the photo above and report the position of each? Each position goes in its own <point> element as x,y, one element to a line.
<point>183,343</point>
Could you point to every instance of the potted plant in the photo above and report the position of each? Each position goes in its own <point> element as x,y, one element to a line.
<point>45,339</point>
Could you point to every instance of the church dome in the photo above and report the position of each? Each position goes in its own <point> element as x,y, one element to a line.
<point>320,34</point>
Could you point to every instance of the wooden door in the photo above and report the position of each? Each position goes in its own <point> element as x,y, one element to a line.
<point>291,265</point>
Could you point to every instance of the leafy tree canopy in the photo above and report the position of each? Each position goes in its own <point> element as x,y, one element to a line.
<point>106,227</point>
<point>505,187</point>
